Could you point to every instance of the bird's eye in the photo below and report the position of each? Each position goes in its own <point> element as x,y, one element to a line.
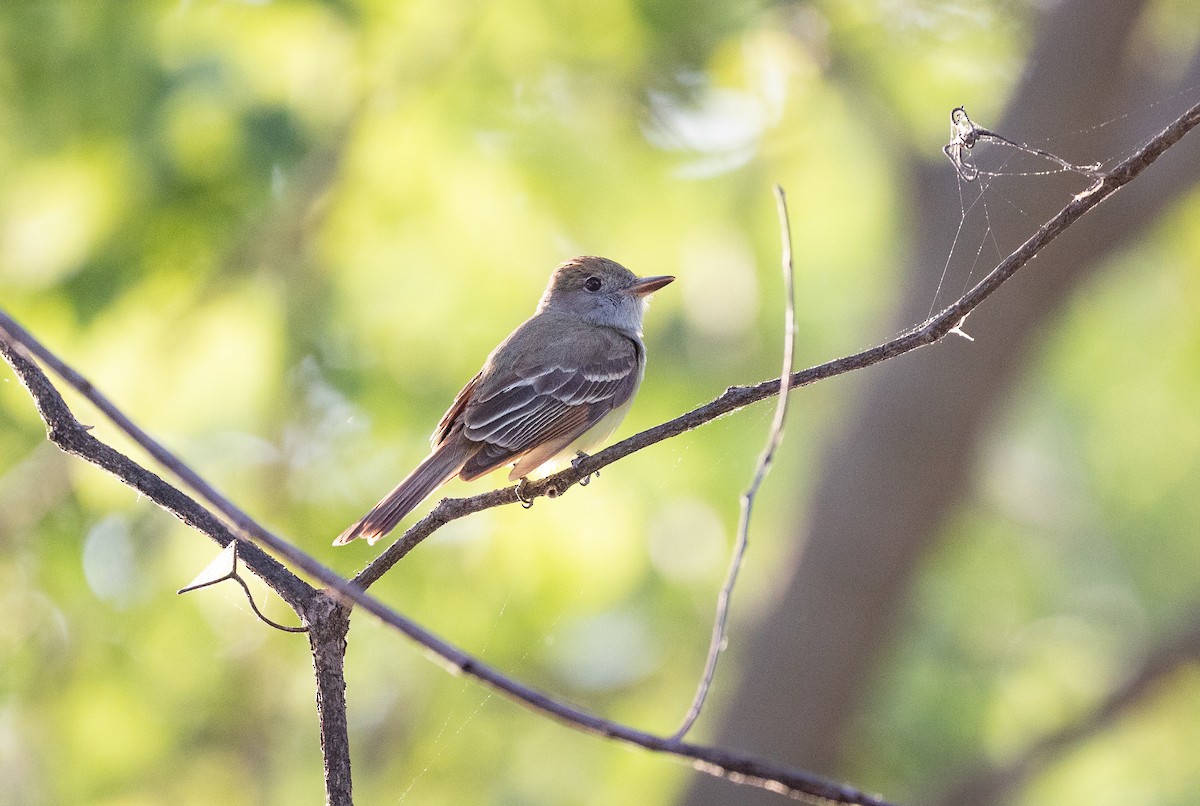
<point>592,284</point>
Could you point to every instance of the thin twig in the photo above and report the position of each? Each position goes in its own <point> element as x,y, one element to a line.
<point>232,574</point>
<point>774,438</point>
<point>261,615</point>
<point>737,397</point>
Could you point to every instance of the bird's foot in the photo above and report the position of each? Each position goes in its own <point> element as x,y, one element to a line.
<point>522,486</point>
<point>586,480</point>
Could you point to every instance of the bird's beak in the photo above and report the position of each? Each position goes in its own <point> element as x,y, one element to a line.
<point>648,285</point>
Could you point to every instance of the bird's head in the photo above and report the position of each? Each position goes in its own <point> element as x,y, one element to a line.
<point>600,291</point>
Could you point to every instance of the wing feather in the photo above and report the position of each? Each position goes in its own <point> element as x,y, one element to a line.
<point>536,403</point>
<point>451,418</point>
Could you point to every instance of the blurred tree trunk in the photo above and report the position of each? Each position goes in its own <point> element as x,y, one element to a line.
<point>904,462</point>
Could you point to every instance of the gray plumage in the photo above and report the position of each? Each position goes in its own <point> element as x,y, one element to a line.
<point>558,384</point>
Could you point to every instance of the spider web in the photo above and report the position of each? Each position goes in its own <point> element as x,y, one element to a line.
<point>1006,188</point>
<point>984,161</point>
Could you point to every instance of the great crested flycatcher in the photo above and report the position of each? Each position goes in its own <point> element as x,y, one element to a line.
<point>556,387</point>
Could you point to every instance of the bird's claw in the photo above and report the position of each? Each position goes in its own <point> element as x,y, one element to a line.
<point>586,480</point>
<point>522,485</point>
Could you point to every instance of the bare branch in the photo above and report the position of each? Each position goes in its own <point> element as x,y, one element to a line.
<point>329,623</point>
<point>774,438</point>
<point>75,438</point>
<point>738,397</point>
<point>69,428</point>
<point>313,606</point>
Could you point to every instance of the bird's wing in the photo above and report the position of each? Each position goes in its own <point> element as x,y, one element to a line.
<point>556,399</point>
<point>446,425</point>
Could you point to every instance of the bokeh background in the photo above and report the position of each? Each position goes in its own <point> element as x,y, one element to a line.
<point>281,235</point>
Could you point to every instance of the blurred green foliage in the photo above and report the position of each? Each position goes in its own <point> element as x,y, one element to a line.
<point>281,235</point>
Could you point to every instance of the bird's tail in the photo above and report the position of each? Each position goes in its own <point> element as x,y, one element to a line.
<point>437,468</point>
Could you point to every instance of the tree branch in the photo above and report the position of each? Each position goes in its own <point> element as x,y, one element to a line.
<point>328,624</point>
<point>738,397</point>
<point>326,620</point>
<point>75,438</point>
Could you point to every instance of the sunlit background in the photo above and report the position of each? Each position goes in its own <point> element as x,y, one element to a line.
<point>282,235</point>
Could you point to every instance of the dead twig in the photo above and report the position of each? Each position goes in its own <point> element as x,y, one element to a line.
<point>224,568</point>
<point>765,459</point>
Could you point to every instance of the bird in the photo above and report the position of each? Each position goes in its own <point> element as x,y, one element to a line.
<point>555,388</point>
